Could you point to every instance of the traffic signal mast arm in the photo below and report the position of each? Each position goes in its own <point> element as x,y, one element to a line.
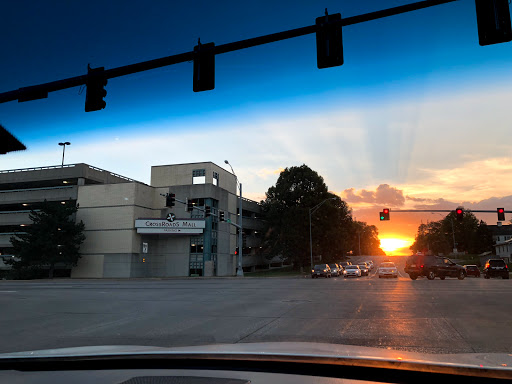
<point>41,91</point>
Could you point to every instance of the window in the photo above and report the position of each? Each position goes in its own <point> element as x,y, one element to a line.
<point>215,178</point>
<point>198,176</point>
<point>196,244</point>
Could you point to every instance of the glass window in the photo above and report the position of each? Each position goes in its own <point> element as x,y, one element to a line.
<point>198,176</point>
<point>196,244</point>
<point>215,178</point>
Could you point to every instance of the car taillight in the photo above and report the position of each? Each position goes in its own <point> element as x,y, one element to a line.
<point>506,266</point>
<point>487,265</point>
<point>421,266</point>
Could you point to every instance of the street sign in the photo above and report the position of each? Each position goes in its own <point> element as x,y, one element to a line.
<point>144,247</point>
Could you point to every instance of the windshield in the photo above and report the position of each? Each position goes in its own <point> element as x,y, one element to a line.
<point>189,164</point>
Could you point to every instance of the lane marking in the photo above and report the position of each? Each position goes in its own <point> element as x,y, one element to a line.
<point>8,291</point>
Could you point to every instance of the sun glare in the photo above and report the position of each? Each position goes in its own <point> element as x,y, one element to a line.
<point>391,245</point>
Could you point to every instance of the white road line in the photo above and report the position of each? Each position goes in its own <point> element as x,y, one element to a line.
<point>8,291</point>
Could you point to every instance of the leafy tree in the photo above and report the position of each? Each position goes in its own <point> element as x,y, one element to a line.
<point>52,238</point>
<point>471,235</point>
<point>286,210</point>
<point>365,239</point>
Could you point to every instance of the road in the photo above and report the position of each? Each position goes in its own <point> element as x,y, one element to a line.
<point>450,316</point>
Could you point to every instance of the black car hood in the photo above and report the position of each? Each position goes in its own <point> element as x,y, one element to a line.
<point>496,365</point>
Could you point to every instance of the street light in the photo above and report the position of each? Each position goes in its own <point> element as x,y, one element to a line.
<point>239,270</point>
<point>64,149</point>
<point>311,211</point>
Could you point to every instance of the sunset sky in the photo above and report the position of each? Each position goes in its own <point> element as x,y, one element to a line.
<point>417,117</point>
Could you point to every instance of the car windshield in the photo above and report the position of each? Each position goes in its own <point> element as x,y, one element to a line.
<point>172,173</point>
<point>387,265</point>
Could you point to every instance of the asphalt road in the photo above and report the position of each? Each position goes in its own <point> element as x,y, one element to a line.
<point>450,316</point>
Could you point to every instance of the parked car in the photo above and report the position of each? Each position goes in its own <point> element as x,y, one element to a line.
<point>388,270</point>
<point>364,268</point>
<point>496,268</point>
<point>352,270</point>
<point>321,270</point>
<point>472,270</point>
<point>336,270</point>
<point>432,266</point>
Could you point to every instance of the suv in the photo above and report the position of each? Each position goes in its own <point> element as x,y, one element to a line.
<point>321,270</point>
<point>496,267</point>
<point>432,266</point>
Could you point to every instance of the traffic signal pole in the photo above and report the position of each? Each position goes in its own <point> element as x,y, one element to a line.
<point>41,91</point>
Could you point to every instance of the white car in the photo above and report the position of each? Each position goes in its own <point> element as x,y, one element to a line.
<point>388,269</point>
<point>352,270</point>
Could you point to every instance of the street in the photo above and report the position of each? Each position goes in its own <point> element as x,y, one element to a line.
<point>450,316</point>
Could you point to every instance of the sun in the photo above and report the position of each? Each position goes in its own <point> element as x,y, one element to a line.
<point>390,245</point>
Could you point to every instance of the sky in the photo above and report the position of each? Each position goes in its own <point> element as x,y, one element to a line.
<point>416,118</point>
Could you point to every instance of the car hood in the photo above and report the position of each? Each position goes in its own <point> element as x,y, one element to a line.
<point>473,364</point>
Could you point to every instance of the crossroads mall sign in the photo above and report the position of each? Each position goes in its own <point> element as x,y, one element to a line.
<point>166,226</point>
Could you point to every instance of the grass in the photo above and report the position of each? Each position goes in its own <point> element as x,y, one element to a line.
<point>281,272</point>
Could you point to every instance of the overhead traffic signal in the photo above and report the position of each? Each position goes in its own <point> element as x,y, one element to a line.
<point>204,67</point>
<point>329,42</point>
<point>170,200</point>
<point>493,19</point>
<point>95,83</point>
<point>501,214</point>
<point>207,211</point>
<point>384,214</point>
<point>221,215</point>
<point>190,205</point>
<point>459,213</point>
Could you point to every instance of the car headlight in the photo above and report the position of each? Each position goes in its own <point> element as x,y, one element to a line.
<point>312,270</point>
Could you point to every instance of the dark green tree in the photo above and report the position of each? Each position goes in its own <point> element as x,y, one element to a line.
<point>470,235</point>
<point>286,210</point>
<point>52,238</point>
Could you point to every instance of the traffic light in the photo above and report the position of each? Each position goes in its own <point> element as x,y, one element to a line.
<point>381,216</point>
<point>493,19</point>
<point>96,82</point>
<point>236,251</point>
<point>329,42</point>
<point>170,199</point>
<point>459,212</point>
<point>207,211</point>
<point>190,205</point>
<point>501,214</point>
<point>204,67</point>
<point>221,215</point>
<point>8,142</point>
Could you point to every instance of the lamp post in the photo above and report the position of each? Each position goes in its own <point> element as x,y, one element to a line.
<point>239,270</point>
<point>311,211</point>
<point>64,149</point>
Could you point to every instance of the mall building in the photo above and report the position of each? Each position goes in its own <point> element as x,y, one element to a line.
<point>130,232</point>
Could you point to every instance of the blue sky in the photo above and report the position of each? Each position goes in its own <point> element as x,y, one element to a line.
<point>416,99</point>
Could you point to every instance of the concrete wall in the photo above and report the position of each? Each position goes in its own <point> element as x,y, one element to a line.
<point>89,266</point>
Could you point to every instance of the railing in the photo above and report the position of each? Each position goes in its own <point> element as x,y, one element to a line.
<point>38,168</point>
<point>68,166</point>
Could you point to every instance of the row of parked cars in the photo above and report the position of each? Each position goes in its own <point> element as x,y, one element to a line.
<point>442,267</point>
<point>347,269</point>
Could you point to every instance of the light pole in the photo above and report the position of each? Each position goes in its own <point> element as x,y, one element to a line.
<point>64,149</point>
<point>239,270</point>
<point>311,211</point>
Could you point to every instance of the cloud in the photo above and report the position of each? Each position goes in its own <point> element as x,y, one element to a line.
<point>383,194</point>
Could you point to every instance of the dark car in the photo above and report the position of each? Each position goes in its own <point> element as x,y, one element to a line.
<point>365,270</point>
<point>472,270</point>
<point>432,266</point>
<point>321,270</point>
<point>496,268</point>
<point>336,270</point>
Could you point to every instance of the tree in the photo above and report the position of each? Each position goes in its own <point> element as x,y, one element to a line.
<point>52,238</point>
<point>470,235</point>
<point>286,210</point>
<point>365,239</point>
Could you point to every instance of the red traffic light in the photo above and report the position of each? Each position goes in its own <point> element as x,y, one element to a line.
<point>385,210</point>
<point>501,210</point>
<point>501,214</point>
<point>459,211</point>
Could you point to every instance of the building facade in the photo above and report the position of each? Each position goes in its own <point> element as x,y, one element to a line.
<point>130,232</point>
